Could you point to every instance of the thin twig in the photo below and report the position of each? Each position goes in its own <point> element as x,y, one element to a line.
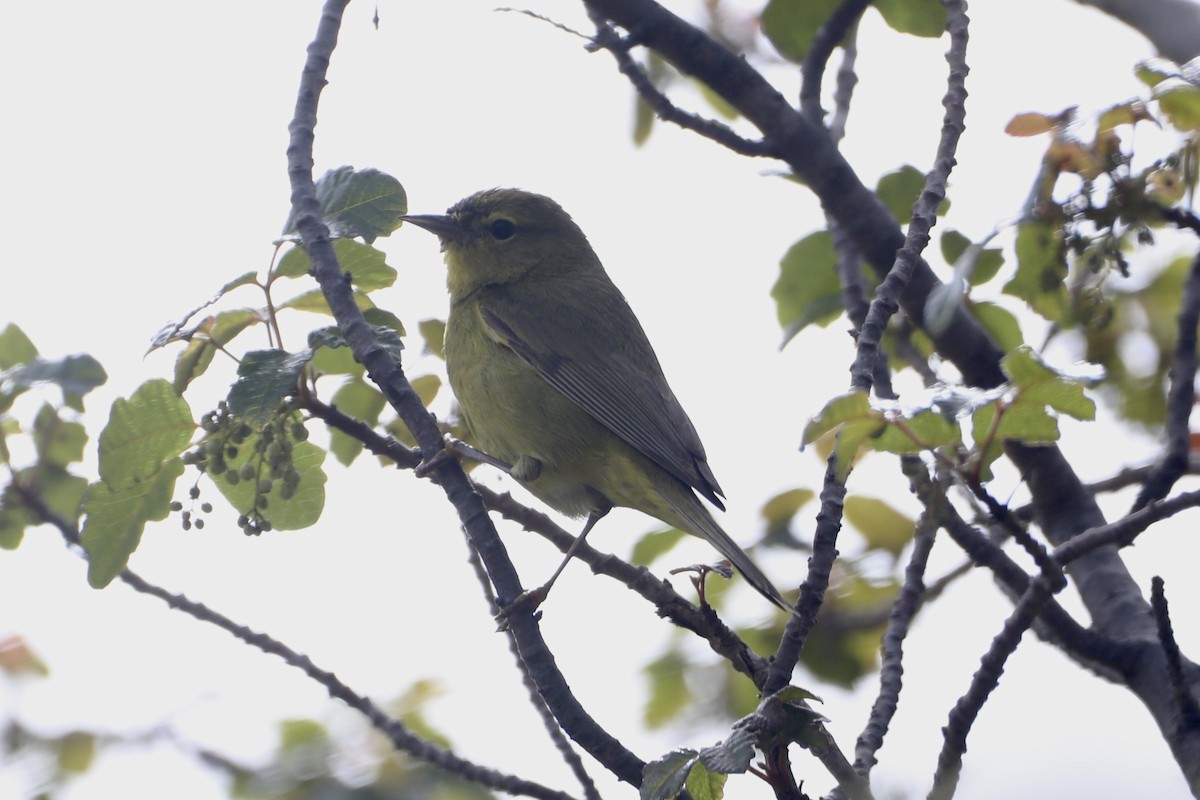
<point>891,669</point>
<point>572,759</point>
<point>985,680</point>
<point>400,736</point>
<point>386,373</point>
<point>607,39</point>
<point>1180,398</point>
<point>1189,710</point>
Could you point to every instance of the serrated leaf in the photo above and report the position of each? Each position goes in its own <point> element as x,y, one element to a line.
<point>150,428</point>
<point>116,518</point>
<point>265,377</point>
<point>664,778</point>
<point>305,506</point>
<point>730,756</point>
<point>790,25</point>
<point>433,331</point>
<point>15,347</point>
<point>364,403</point>
<point>366,266</point>
<point>807,291</point>
<point>669,693</point>
<point>926,18</point>
<point>883,527</point>
<point>1041,269</point>
<point>357,203</point>
<point>705,785</point>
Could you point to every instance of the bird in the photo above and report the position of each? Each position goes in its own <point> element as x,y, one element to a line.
<point>556,377</point>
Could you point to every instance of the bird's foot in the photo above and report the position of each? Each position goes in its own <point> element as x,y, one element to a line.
<point>525,603</point>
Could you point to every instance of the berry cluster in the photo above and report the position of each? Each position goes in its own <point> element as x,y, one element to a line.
<point>233,451</point>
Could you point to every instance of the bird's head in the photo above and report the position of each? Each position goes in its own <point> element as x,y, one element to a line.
<point>502,236</point>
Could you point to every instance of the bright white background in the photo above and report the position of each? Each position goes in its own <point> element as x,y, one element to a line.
<point>143,166</point>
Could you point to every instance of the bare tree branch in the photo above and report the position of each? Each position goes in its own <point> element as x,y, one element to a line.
<point>388,376</point>
<point>400,736</point>
<point>1172,26</point>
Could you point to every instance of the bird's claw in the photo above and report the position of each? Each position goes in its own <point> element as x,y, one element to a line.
<point>525,602</point>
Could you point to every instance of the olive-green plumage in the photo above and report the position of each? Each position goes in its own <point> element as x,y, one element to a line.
<point>556,377</point>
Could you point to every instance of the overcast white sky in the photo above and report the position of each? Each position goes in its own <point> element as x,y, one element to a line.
<point>144,166</point>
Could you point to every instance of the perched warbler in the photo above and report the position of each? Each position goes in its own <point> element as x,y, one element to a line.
<point>557,379</point>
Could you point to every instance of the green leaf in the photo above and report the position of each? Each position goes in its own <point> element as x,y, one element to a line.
<point>733,755</point>
<point>779,510</point>
<point>265,377</point>
<point>986,261</point>
<point>117,517</point>
<point>839,411</point>
<point>1000,324</point>
<point>1040,385</point>
<point>75,375</point>
<point>57,441</point>
<point>669,693</point>
<point>1041,269</point>
<point>174,331</point>
<point>314,301</point>
<point>151,427</point>
<point>427,387</point>
<point>923,430</point>
<point>433,331</point>
<point>335,361</point>
<point>1154,71</point>
<point>664,778</point>
<point>808,291</point>
<point>365,265</point>
<point>704,785</point>
<point>383,321</point>
<point>883,527</point>
<point>899,190</point>
<point>1181,104</point>
<point>791,25</point>
<point>654,544</point>
<point>15,347</point>
<point>302,510</point>
<point>361,401</point>
<point>917,17</point>
<point>357,203</point>
<point>191,363</point>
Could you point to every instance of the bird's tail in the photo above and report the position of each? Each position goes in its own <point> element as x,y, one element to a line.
<point>696,520</point>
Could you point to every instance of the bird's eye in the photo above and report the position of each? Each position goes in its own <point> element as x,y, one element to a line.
<point>503,229</point>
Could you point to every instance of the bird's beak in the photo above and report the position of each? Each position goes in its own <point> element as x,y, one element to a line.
<point>445,228</point>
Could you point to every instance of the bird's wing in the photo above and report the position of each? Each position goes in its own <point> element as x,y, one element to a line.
<point>599,357</point>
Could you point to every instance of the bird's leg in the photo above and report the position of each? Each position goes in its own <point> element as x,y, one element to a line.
<point>531,599</point>
<point>526,468</point>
